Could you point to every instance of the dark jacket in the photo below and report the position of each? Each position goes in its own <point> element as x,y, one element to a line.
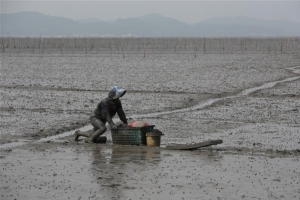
<point>108,108</point>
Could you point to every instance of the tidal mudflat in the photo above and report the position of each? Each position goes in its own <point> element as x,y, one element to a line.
<point>248,99</point>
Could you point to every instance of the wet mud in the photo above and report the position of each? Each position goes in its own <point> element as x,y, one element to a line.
<point>62,171</point>
<point>250,101</point>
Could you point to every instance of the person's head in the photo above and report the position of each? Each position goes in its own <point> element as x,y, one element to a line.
<point>116,92</point>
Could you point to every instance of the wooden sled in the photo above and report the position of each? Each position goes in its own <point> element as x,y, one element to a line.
<point>194,146</point>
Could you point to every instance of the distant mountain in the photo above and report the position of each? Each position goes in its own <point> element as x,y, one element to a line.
<point>259,26</point>
<point>152,25</point>
<point>33,23</point>
<point>89,20</point>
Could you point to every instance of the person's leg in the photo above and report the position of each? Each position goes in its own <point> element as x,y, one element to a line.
<point>99,127</point>
<point>97,134</point>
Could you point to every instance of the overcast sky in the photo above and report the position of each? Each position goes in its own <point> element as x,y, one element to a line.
<point>186,11</point>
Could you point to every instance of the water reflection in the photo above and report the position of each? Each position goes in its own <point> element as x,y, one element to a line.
<point>114,166</point>
<point>136,154</point>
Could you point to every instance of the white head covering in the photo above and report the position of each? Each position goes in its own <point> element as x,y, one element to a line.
<point>119,92</point>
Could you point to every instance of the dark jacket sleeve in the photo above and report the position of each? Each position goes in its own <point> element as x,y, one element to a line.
<point>121,113</point>
<point>105,113</point>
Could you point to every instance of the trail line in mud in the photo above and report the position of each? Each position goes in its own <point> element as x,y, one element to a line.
<point>214,100</point>
<point>246,92</point>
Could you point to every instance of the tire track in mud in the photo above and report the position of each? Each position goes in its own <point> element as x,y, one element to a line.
<point>246,92</point>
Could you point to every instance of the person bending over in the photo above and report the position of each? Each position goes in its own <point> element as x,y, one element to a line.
<point>104,112</point>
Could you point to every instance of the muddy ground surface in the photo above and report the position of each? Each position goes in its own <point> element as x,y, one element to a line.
<point>190,99</point>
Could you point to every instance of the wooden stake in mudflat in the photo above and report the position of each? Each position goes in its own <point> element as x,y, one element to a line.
<point>85,46</point>
<point>3,47</point>
<point>120,43</point>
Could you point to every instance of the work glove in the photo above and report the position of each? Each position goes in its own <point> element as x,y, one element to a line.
<point>113,127</point>
<point>122,125</point>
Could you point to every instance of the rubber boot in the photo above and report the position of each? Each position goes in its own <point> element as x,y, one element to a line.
<point>101,139</point>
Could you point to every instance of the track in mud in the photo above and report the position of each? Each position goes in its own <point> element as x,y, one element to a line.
<point>295,70</point>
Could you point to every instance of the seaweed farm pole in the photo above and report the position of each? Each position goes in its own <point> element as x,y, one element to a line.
<point>42,46</point>
<point>40,41</point>
<point>92,44</point>
<point>166,44</point>
<point>60,46</point>
<point>32,42</point>
<point>176,44</point>
<point>144,49</point>
<point>118,47</point>
<point>241,42</point>
<point>194,47</point>
<point>75,43</point>
<point>19,43</point>
<point>85,46</point>
<point>204,48</point>
<point>2,41</point>
<point>7,42</point>
<point>120,43</point>
<point>122,49</point>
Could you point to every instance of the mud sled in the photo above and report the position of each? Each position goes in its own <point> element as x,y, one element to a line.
<point>195,145</point>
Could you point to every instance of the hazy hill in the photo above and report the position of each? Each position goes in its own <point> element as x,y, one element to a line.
<point>261,26</point>
<point>33,23</point>
<point>153,25</point>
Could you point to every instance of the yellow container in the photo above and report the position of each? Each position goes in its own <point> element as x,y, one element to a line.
<point>153,138</point>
